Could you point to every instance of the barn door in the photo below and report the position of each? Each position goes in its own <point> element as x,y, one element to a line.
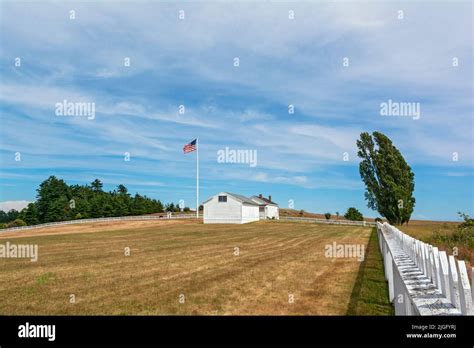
<point>261,211</point>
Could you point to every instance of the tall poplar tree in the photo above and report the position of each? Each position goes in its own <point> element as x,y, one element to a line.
<point>388,178</point>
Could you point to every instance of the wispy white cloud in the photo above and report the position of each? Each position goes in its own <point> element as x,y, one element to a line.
<point>17,205</point>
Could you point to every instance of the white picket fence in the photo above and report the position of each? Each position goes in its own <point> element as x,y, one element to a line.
<point>421,279</point>
<point>119,218</point>
<point>330,221</point>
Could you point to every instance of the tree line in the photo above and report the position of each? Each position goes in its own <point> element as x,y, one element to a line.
<point>57,201</point>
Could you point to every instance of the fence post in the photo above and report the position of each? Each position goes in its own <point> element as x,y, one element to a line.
<point>427,260</point>
<point>436,267</point>
<point>381,241</point>
<point>389,273</point>
<point>465,295</point>
<point>445,283</point>
<point>421,252</point>
<point>453,282</point>
<point>399,292</point>
<point>418,259</point>
<point>413,251</point>
<point>423,257</point>
<point>384,254</point>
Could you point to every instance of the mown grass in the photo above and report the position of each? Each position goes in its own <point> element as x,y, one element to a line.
<point>370,293</point>
<point>276,260</point>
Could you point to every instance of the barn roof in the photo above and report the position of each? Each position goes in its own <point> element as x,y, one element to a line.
<point>254,200</point>
<point>240,198</point>
<point>262,200</point>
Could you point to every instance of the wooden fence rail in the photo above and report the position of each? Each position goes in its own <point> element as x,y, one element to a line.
<point>118,218</point>
<point>179,216</point>
<point>423,280</point>
<point>326,221</point>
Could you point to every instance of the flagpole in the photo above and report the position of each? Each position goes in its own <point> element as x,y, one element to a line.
<point>197,178</point>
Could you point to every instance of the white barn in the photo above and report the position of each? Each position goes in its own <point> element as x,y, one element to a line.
<point>228,208</point>
<point>267,208</point>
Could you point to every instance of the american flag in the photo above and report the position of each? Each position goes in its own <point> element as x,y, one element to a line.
<point>190,147</point>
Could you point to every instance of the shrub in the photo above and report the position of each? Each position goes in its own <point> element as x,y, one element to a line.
<point>78,216</point>
<point>16,223</point>
<point>327,216</point>
<point>353,214</point>
<point>468,221</point>
<point>301,212</point>
<point>462,238</point>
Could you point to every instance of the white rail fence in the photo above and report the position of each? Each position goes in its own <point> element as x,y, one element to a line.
<point>119,218</point>
<point>423,280</point>
<point>330,221</point>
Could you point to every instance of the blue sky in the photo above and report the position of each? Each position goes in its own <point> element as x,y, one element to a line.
<point>283,61</point>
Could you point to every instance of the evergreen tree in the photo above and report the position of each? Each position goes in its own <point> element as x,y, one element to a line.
<point>170,207</point>
<point>122,189</point>
<point>3,217</point>
<point>52,200</point>
<point>97,185</point>
<point>96,207</point>
<point>13,214</point>
<point>353,214</point>
<point>56,201</point>
<point>30,214</point>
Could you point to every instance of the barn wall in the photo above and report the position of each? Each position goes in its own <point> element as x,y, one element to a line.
<point>272,211</point>
<point>250,213</point>
<point>220,212</point>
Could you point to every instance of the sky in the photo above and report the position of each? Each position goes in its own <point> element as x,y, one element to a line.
<point>334,62</point>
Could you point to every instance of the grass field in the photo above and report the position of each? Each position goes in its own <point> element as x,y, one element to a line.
<point>440,233</point>
<point>425,230</point>
<point>370,294</point>
<point>278,261</point>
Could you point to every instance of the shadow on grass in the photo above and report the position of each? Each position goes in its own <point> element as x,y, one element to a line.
<point>370,293</point>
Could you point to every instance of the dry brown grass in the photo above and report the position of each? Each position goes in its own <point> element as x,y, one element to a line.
<point>88,227</point>
<point>430,231</point>
<point>169,258</point>
<point>297,213</point>
<point>425,230</point>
